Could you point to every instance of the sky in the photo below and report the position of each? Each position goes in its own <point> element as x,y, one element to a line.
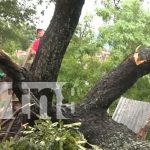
<point>146,5</point>
<point>88,9</point>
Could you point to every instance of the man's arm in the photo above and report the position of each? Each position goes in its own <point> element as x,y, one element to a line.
<point>32,51</point>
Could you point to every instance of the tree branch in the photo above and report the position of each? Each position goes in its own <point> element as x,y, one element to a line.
<point>17,74</point>
<point>118,81</point>
<point>10,68</point>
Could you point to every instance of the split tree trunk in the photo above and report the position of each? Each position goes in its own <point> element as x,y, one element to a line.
<point>98,128</point>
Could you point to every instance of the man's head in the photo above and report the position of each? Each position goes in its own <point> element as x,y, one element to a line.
<point>40,32</point>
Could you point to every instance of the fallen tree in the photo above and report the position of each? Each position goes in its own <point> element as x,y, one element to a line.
<point>97,126</point>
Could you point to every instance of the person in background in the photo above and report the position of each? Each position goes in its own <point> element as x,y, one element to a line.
<point>34,48</point>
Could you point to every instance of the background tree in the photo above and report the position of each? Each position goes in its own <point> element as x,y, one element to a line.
<point>80,55</point>
<point>17,38</point>
<point>16,24</point>
<point>126,27</point>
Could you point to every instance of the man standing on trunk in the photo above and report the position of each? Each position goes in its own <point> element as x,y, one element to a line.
<point>34,48</point>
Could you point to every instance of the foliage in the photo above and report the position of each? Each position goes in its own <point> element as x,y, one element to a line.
<point>80,68</point>
<point>126,27</point>
<point>49,136</point>
<point>16,11</point>
<point>17,38</point>
<point>148,135</point>
<point>16,23</point>
<point>140,91</point>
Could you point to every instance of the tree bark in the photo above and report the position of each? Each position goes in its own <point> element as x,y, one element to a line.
<point>97,127</point>
<point>53,46</point>
<point>115,83</point>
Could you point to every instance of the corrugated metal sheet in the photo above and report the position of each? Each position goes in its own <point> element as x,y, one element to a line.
<point>132,113</point>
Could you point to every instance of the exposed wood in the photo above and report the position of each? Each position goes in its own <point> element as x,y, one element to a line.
<point>8,129</point>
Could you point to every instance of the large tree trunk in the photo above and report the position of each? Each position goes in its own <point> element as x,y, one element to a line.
<point>92,112</point>
<point>53,46</point>
<point>97,127</point>
<point>56,39</point>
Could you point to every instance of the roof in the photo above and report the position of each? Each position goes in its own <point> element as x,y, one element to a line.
<point>132,113</point>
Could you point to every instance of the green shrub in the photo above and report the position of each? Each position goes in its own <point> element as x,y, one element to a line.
<point>46,135</point>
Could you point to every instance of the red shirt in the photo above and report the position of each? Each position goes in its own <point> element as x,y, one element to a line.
<point>35,45</point>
